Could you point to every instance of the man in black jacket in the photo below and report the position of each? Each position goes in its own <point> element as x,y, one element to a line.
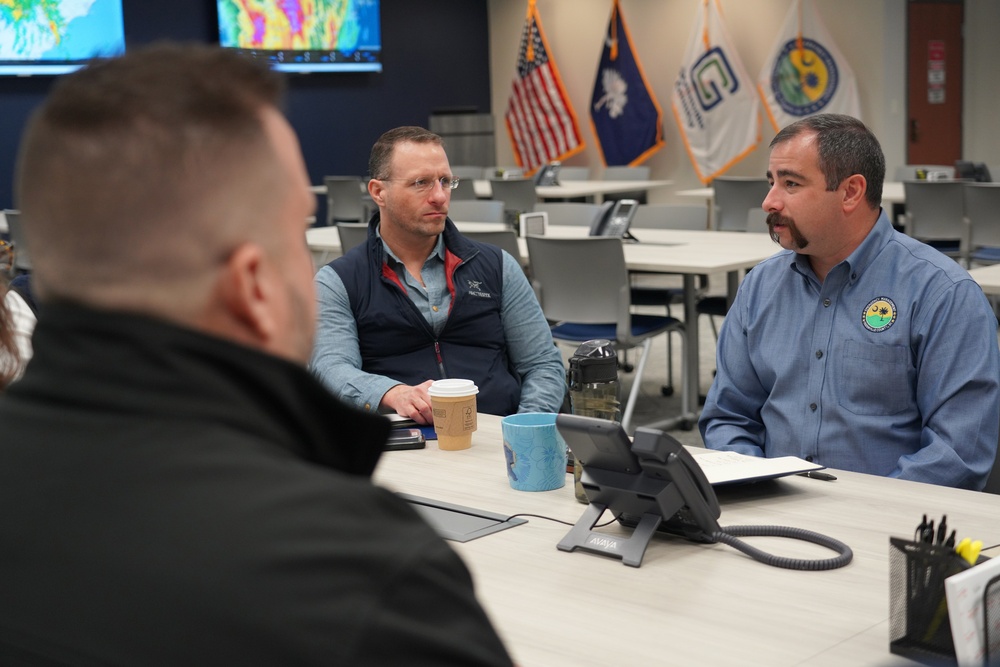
<point>175,488</point>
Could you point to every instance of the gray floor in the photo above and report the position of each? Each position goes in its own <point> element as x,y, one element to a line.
<point>651,405</point>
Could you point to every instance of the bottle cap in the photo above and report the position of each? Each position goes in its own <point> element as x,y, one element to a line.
<point>594,361</point>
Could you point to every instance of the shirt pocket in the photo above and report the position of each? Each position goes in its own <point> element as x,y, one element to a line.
<point>874,379</point>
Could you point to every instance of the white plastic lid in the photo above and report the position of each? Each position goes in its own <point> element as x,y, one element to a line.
<point>453,387</point>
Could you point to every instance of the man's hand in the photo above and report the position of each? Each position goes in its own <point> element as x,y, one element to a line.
<point>411,402</point>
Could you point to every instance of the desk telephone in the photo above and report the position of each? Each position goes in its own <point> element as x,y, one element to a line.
<point>615,219</point>
<point>548,174</point>
<point>654,485</point>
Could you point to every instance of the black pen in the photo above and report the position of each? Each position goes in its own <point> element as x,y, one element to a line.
<point>942,529</point>
<point>816,474</point>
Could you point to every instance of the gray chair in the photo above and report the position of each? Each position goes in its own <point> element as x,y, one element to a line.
<point>935,215</point>
<point>627,173</point>
<point>22,260</point>
<point>734,196</point>
<point>476,210</point>
<point>518,196</point>
<point>756,219</point>
<point>583,288</point>
<point>570,213</point>
<point>346,199</point>
<point>504,239</point>
<point>982,219</point>
<point>574,173</point>
<point>911,172</point>
<point>500,171</point>
<point>466,190</point>
<point>671,216</point>
<point>663,290</point>
<point>467,176</point>
<point>351,234</point>
<point>466,171</point>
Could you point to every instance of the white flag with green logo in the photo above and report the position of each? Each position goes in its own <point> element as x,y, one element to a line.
<point>806,73</point>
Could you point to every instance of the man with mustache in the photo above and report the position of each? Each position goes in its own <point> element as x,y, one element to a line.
<point>857,347</point>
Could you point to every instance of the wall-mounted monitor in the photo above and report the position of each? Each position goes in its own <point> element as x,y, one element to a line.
<point>300,36</point>
<point>58,36</point>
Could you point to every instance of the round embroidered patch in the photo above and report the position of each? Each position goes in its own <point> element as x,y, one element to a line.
<point>879,315</point>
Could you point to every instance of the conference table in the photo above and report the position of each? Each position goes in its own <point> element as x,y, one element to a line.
<point>565,190</point>
<point>689,253</point>
<point>988,278</point>
<point>574,189</point>
<point>688,603</point>
<point>892,193</point>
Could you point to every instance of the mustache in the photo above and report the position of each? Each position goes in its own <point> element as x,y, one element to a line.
<point>776,218</point>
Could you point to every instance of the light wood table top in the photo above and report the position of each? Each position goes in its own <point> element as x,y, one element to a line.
<point>988,278</point>
<point>689,603</point>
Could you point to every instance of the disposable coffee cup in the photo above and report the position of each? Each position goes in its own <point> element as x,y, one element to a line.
<point>453,403</point>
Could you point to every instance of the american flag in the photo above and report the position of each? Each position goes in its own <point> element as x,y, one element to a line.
<point>540,118</point>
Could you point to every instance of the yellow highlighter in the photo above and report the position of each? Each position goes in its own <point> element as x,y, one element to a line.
<point>969,550</point>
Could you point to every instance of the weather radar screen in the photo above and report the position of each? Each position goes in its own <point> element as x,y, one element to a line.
<point>305,35</point>
<point>58,36</point>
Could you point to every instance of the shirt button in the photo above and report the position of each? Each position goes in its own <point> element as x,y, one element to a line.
<point>809,459</point>
<point>819,354</point>
<point>434,308</point>
<point>854,276</point>
<point>368,406</point>
<point>826,303</point>
<point>812,406</point>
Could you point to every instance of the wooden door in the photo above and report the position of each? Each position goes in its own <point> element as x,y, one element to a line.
<point>934,81</point>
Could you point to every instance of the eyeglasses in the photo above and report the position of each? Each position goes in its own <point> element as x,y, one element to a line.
<point>427,184</point>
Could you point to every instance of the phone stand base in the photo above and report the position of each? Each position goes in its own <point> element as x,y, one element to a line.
<point>629,549</point>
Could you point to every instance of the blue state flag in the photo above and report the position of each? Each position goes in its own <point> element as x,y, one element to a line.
<point>624,114</point>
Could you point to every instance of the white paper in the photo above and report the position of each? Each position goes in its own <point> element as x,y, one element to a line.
<point>722,467</point>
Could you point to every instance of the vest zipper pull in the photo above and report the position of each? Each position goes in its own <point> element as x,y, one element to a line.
<point>440,361</point>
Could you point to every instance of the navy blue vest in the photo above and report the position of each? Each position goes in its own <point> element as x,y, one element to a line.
<point>395,339</point>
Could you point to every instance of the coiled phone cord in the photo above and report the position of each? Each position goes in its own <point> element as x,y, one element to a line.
<point>730,535</point>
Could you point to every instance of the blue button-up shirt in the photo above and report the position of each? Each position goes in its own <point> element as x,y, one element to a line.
<point>890,366</point>
<point>337,360</point>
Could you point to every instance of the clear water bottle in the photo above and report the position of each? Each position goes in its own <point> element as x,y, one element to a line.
<point>593,390</point>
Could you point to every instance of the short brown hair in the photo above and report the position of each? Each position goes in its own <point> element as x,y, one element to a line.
<point>846,147</point>
<point>381,156</point>
<point>138,172</point>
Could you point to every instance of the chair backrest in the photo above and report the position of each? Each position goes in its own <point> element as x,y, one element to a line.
<point>345,199</point>
<point>671,216</point>
<point>574,173</point>
<point>734,196</point>
<point>982,213</point>
<point>934,210</point>
<point>756,219</point>
<point>570,213</point>
<point>500,171</point>
<point>505,240</point>
<point>581,280</point>
<point>626,173</point>
<point>22,260</point>
<point>351,234</point>
<point>466,171</point>
<point>909,172</point>
<point>466,189</point>
<point>476,210</point>
<point>517,194</point>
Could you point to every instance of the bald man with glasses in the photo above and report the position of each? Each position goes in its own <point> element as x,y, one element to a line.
<point>420,302</point>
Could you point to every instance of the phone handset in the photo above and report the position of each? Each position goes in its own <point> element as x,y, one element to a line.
<point>663,457</point>
<point>615,218</point>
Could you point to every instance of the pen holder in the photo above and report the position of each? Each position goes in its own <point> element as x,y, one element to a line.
<point>918,611</point>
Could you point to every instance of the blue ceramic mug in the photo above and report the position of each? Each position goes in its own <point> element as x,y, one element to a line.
<point>534,452</point>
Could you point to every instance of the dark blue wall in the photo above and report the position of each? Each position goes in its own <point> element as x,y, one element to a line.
<point>435,55</point>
